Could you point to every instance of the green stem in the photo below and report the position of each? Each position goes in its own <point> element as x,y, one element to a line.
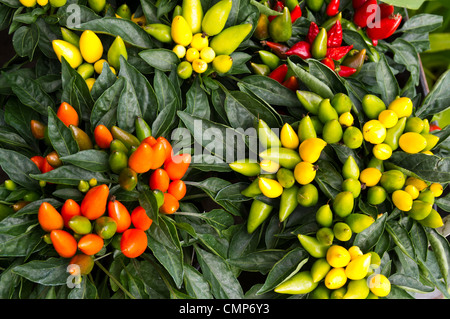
<point>114,279</point>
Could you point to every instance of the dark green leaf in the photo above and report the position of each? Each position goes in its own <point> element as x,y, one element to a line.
<point>286,267</point>
<point>369,237</point>
<point>106,79</point>
<point>169,254</point>
<point>105,108</point>
<point>269,90</point>
<point>70,175</point>
<point>437,100</point>
<point>401,238</point>
<point>406,54</point>
<point>50,272</point>
<point>147,101</point>
<point>60,135</point>
<point>261,260</point>
<point>18,167</point>
<point>161,59</point>
<point>196,285</point>
<point>428,168</point>
<point>25,41</point>
<point>422,23</point>
<point>224,284</point>
<point>29,92</point>
<point>386,81</point>
<point>326,75</point>
<point>148,201</point>
<point>91,160</point>
<point>75,90</point>
<point>441,248</point>
<point>328,179</point>
<point>197,101</point>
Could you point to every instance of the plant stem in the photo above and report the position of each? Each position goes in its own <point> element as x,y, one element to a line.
<point>114,279</point>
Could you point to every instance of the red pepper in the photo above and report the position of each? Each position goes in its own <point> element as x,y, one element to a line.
<point>386,10</point>
<point>301,49</point>
<point>346,71</point>
<point>291,83</point>
<point>434,126</point>
<point>312,32</point>
<point>338,53</point>
<point>278,48</point>
<point>335,35</point>
<point>279,73</point>
<point>296,13</point>
<point>279,5</point>
<point>333,8</point>
<point>329,63</point>
<point>358,3</point>
<point>366,14</point>
<point>385,28</point>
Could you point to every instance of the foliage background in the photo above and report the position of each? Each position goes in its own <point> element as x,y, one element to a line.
<point>436,60</point>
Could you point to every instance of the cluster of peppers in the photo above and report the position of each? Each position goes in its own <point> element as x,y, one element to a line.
<point>379,20</point>
<point>324,43</point>
<point>80,231</point>
<point>85,53</point>
<point>130,155</point>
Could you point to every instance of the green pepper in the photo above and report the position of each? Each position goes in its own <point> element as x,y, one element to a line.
<point>291,4</point>
<point>286,157</point>
<point>393,134</point>
<point>116,50</point>
<point>70,37</point>
<point>259,211</point>
<point>288,202</point>
<point>314,5</point>
<point>246,167</point>
<point>125,137</point>
<point>86,70</point>
<point>280,28</point>
<point>267,137</point>
<point>97,5</point>
<point>159,195</point>
<point>306,129</point>
<point>83,140</point>
<point>105,227</point>
<point>325,235</point>
<point>124,11</point>
<point>319,45</point>
<point>128,179</point>
<point>118,160</point>
<point>299,284</point>
<point>310,101</point>
<point>80,224</point>
<point>228,40</point>
<point>331,21</point>
<point>313,246</point>
<point>252,190</point>
<point>117,145</point>
<point>260,69</point>
<point>262,28</point>
<point>285,177</point>
<point>159,31</point>
<point>376,163</point>
<point>143,130</point>
<point>270,59</point>
<point>177,11</point>
<point>355,59</point>
<point>5,211</point>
